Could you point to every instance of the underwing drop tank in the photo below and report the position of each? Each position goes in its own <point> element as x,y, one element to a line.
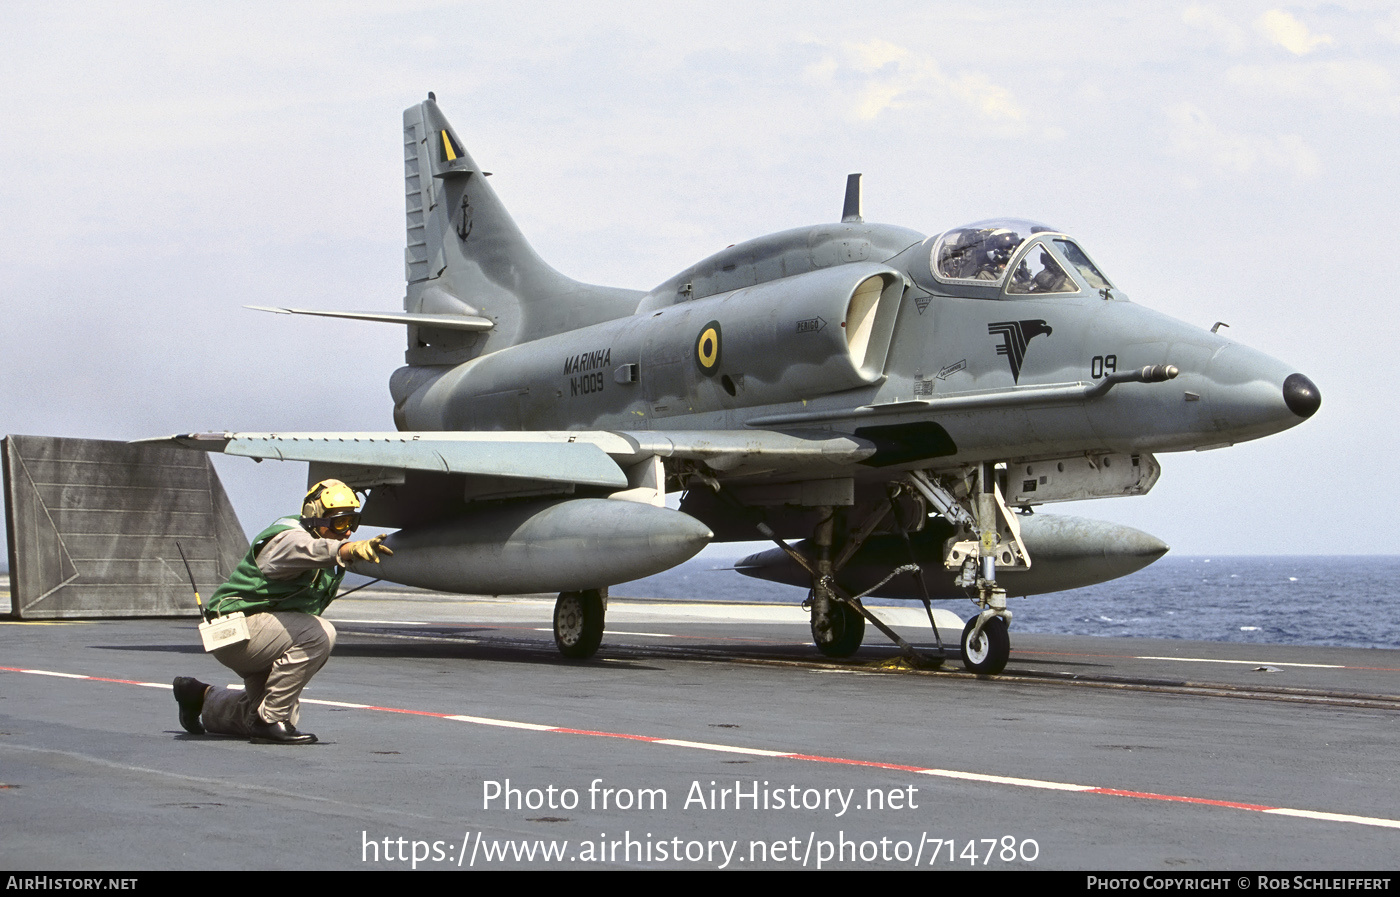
<point>541,546</point>
<point>1067,553</point>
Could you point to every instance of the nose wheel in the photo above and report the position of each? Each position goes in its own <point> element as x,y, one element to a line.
<point>578,622</point>
<point>987,651</point>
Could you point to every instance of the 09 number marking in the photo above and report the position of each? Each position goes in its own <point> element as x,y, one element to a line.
<point>1102,365</point>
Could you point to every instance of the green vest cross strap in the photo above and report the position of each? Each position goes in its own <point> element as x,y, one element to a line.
<point>250,591</point>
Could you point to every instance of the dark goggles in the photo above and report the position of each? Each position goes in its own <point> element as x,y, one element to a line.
<point>340,523</point>
<point>345,524</point>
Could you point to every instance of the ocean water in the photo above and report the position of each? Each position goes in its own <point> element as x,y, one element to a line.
<point>1343,601</point>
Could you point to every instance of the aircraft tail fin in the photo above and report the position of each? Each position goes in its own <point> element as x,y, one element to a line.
<point>466,256</point>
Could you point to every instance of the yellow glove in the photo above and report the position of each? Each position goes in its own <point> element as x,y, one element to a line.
<point>365,550</point>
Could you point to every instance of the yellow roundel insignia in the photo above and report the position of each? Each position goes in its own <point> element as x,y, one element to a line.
<point>707,349</point>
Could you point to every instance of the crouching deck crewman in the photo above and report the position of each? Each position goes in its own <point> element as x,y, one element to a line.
<point>289,575</point>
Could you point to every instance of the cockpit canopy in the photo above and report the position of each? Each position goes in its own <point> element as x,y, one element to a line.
<point>1022,258</point>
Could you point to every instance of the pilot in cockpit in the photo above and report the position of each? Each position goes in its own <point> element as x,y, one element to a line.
<point>982,252</point>
<point>996,252</point>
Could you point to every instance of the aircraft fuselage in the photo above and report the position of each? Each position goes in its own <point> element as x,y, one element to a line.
<point>760,336</point>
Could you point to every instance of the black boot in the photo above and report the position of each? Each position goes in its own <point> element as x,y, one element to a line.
<point>189,694</point>
<point>280,732</point>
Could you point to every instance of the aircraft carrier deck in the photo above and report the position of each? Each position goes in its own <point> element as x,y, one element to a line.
<point>701,736</point>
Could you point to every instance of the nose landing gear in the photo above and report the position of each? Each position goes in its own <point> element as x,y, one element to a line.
<point>986,645</point>
<point>990,538</point>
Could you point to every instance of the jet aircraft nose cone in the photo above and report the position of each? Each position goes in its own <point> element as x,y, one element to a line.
<point>1301,395</point>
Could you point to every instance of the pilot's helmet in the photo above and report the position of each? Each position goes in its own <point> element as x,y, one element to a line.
<point>333,505</point>
<point>1001,245</point>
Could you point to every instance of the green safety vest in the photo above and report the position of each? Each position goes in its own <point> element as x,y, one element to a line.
<point>250,591</point>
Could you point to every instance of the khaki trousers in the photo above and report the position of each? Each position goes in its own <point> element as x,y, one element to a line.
<point>284,650</point>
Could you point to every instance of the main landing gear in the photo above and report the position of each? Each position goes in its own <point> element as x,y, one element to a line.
<point>578,622</point>
<point>841,632</point>
<point>838,619</point>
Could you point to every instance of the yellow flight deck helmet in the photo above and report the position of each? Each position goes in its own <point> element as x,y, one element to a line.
<point>331,504</point>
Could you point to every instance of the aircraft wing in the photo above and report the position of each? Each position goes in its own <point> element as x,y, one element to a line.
<point>567,530</point>
<point>550,460</point>
<point>584,457</point>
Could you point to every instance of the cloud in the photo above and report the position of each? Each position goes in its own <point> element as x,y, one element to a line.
<point>1286,31</point>
<point>1360,84</point>
<point>1389,28</point>
<point>877,76</point>
<point>1215,26</point>
<point>1195,136</point>
<point>991,100</point>
<point>875,54</point>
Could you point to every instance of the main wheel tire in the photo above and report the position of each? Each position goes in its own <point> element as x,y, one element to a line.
<point>992,648</point>
<point>578,623</point>
<point>847,631</point>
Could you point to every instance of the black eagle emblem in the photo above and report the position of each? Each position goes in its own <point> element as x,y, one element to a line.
<point>1014,337</point>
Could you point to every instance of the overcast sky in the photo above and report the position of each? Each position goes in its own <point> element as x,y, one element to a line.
<point>165,164</point>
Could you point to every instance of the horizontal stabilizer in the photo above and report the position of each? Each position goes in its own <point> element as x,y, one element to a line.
<point>441,322</point>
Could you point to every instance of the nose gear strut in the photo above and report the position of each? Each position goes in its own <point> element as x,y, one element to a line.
<point>989,536</point>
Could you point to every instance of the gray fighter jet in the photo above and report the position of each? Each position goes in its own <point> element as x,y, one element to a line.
<point>896,404</point>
